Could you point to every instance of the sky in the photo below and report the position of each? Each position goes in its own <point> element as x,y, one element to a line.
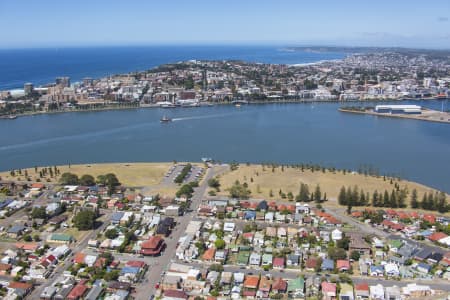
<point>48,23</point>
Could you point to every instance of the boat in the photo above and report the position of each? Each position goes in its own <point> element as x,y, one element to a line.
<point>9,117</point>
<point>165,119</point>
<point>237,105</point>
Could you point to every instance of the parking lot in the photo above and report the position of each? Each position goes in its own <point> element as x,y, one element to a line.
<point>195,174</point>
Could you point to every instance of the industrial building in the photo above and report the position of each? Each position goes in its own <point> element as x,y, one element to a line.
<point>398,109</point>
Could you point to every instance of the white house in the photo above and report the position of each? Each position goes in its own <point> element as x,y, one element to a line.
<point>336,235</point>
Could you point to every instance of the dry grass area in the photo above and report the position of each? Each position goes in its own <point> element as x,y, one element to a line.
<point>262,179</point>
<point>129,174</point>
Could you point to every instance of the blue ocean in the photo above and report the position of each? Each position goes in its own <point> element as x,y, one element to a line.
<point>41,66</point>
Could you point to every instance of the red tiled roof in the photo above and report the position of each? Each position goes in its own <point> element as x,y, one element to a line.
<point>175,294</point>
<point>5,267</point>
<point>152,242</point>
<point>264,284</point>
<point>27,246</point>
<point>135,264</point>
<point>79,258</point>
<point>19,285</point>
<point>278,262</point>
<point>77,292</point>
<point>37,186</point>
<point>362,287</point>
<point>357,214</point>
<point>251,282</point>
<point>430,218</point>
<point>342,264</point>
<point>152,246</point>
<point>437,236</point>
<point>311,263</point>
<point>328,287</point>
<point>209,254</point>
<point>279,285</point>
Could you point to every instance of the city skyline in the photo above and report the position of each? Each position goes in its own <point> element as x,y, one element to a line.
<point>101,23</point>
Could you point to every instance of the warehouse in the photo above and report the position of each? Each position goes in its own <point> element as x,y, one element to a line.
<point>398,109</point>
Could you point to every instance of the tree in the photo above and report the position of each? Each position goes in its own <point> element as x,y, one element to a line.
<point>186,190</point>
<point>68,179</point>
<point>214,183</point>
<point>386,199</point>
<point>84,220</point>
<point>87,180</point>
<point>342,198</point>
<point>343,243</point>
<point>303,195</point>
<point>36,237</point>
<point>375,199</point>
<point>239,191</point>
<point>111,233</point>
<point>355,255</point>
<point>414,199</point>
<point>219,244</point>
<point>317,194</point>
<point>424,203</point>
<point>441,202</point>
<point>337,253</point>
<point>39,213</point>
<point>113,275</point>
<point>27,238</point>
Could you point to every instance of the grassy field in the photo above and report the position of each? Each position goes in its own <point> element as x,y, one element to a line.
<point>129,174</point>
<point>261,180</point>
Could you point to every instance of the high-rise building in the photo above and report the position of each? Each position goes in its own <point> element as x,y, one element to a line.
<point>28,88</point>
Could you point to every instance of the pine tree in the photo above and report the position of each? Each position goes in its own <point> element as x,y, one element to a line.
<point>430,201</point>
<point>423,203</point>
<point>393,199</point>
<point>375,199</point>
<point>442,202</point>
<point>342,198</point>
<point>386,199</point>
<point>317,194</point>
<point>355,196</point>
<point>414,200</point>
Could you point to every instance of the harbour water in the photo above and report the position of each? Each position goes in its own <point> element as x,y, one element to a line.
<point>283,133</point>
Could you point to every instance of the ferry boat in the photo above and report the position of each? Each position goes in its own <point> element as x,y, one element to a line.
<point>9,117</point>
<point>165,119</point>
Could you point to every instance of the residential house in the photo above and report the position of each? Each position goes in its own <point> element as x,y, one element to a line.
<point>279,286</point>
<point>209,254</point>
<point>293,260</point>
<point>264,288</point>
<point>296,287</point>
<point>376,292</point>
<point>328,290</point>
<point>266,259</point>
<point>327,265</point>
<point>391,270</point>
<point>343,265</point>
<point>278,263</point>
<point>153,246</point>
<point>346,292</point>
<point>423,268</point>
<point>362,291</point>
<point>255,259</point>
<point>393,293</point>
<point>250,286</point>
